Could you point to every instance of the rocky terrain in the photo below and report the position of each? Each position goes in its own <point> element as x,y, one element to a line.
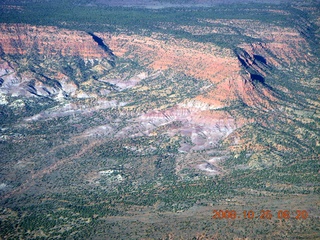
<point>106,123</point>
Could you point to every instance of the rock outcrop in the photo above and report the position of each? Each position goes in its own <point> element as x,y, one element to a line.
<point>48,61</point>
<point>49,41</point>
<point>61,64</point>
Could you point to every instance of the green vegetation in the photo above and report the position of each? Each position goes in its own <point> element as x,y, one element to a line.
<point>143,21</point>
<point>101,171</point>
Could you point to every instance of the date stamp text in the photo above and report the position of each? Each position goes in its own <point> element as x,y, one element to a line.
<point>263,214</point>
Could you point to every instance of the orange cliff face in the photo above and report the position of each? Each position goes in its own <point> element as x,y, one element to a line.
<point>49,41</point>
<point>162,52</point>
<point>203,61</point>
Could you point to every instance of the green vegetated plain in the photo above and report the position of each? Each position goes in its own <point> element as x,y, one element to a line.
<point>140,196</point>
